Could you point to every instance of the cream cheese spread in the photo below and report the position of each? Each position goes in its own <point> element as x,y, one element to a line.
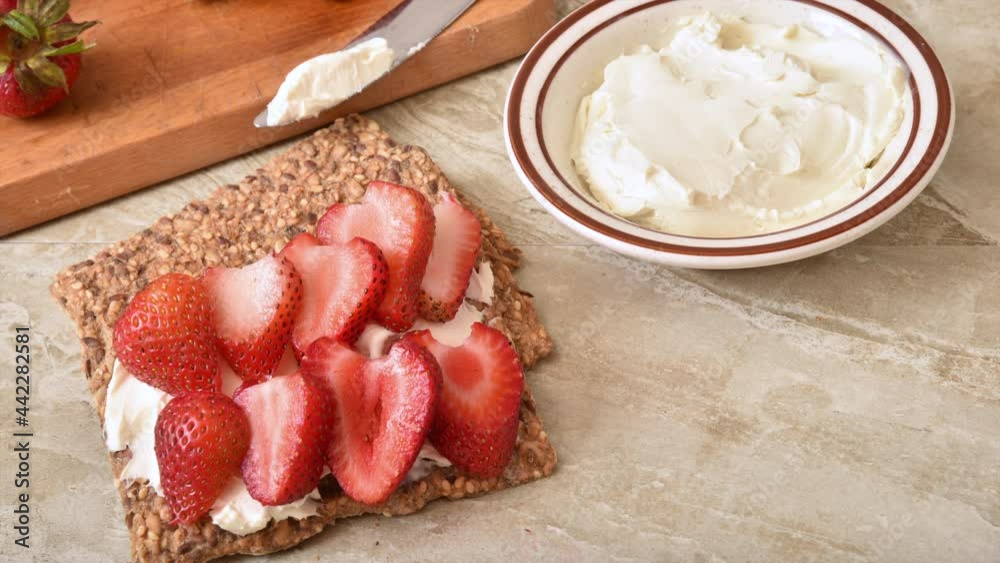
<point>130,413</point>
<point>736,128</point>
<point>481,284</point>
<point>322,82</point>
<point>237,512</point>
<point>132,407</point>
<point>455,331</point>
<point>428,459</point>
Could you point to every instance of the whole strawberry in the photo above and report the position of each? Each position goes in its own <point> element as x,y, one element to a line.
<point>39,55</point>
<point>200,441</point>
<point>164,337</point>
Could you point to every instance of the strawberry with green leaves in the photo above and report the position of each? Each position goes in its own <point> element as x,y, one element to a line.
<point>40,55</point>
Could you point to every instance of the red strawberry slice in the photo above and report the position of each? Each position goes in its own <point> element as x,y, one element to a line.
<point>476,422</point>
<point>254,309</point>
<point>290,423</point>
<point>457,235</point>
<point>342,286</point>
<point>383,412</point>
<point>164,337</point>
<point>400,221</point>
<point>200,440</point>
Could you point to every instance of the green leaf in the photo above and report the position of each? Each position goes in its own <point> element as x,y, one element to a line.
<point>65,31</point>
<point>4,63</point>
<point>51,11</point>
<point>29,7</point>
<point>21,24</point>
<point>48,72</point>
<point>26,80</point>
<point>69,49</point>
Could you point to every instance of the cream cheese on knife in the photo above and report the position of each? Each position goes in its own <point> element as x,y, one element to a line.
<point>737,128</point>
<point>322,82</point>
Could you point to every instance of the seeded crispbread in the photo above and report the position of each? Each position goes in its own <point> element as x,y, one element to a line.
<point>239,224</point>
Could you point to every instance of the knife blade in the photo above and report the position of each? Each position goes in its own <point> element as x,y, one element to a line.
<point>407,28</point>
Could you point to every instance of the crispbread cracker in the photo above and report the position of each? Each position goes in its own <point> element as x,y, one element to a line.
<point>239,224</point>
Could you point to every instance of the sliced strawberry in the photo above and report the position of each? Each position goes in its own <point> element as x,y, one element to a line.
<point>200,440</point>
<point>342,286</point>
<point>476,422</point>
<point>383,412</point>
<point>164,337</point>
<point>290,424</point>
<point>400,221</point>
<point>457,236</point>
<point>254,310</point>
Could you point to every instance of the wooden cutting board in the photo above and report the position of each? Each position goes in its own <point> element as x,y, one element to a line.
<point>174,85</point>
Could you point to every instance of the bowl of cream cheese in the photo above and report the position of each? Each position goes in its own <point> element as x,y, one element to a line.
<point>728,133</point>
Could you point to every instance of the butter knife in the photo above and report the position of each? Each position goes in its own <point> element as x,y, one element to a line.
<point>328,80</point>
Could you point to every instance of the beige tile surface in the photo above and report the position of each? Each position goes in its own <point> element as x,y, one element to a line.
<point>842,408</point>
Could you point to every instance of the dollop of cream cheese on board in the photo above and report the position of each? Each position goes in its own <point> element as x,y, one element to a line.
<point>322,82</point>
<point>132,408</point>
<point>737,128</point>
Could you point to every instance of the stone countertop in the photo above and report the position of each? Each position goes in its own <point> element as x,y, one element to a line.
<point>841,408</point>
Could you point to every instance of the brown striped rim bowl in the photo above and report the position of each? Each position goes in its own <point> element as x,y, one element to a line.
<point>567,63</point>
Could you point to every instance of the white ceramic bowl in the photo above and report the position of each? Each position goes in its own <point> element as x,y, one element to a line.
<point>567,64</point>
